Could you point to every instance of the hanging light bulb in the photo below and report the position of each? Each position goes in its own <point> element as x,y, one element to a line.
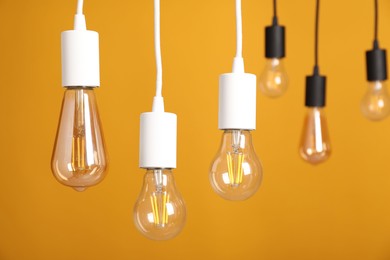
<point>375,104</point>
<point>79,156</point>
<point>236,171</point>
<point>273,81</point>
<point>315,144</point>
<point>79,159</point>
<point>160,212</point>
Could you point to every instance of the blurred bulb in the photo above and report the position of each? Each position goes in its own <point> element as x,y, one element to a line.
<point>236,172</point>
<point>375,104</point>
<point>79,157</point>
<point>315,144</point>
<point>273,81</point>
<point>160,212</point>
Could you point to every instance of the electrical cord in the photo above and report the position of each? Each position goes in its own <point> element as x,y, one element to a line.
<point>376,44</point>
<point>79,18</point>
<point>80,4</point>
<point>316,36</point>
<point>275,9</point>
<point>157,46</point>
<point>238,29</point>
<point>238,62</point>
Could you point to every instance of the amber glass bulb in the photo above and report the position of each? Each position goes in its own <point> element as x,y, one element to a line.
<point>315,143</point>
<point>273,81</point>
<point>236,172</point>
<point>79,157</point>
<point>375,104</point>
<point>160,211</point>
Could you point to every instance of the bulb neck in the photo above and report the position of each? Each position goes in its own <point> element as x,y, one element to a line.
<point>376,85</point>
<point>79,87</point>
<point>152,170</point>
<point>236,139</point>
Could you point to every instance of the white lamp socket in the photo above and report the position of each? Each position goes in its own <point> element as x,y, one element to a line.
<point>237,101</point>
<point>158,132</point>
<point>80,58</point>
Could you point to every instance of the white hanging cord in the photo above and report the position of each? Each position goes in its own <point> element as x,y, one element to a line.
<point>157,46</point>
<point>80,4</point>
<point>79,18</point>
<point>238,63</point>
<point>238,29</point>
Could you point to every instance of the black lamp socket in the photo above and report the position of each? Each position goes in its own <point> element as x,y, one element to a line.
<point>275,41</point>
<point>315,90</point>
<point>376,64</point>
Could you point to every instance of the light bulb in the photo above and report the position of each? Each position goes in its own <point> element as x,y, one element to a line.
<point>79,157</point>
<point>236,172</point>
<point>315,144</point>
<point>273,81</point>
<point>160,212</point>
<point>375,104</point>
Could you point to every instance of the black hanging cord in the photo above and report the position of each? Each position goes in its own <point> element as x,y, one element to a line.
<point>316,37</point>
<point>376,25</point>
<point>275,10</point>
<point>275,18</point>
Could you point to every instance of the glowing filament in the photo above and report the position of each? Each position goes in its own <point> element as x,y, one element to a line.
<point>78,153</point>
<point>79,158</point>
<point>235,169</point>
<point>159,201</point>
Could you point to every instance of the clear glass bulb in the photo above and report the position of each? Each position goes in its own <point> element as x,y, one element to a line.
<point>160,211</point>
<point>375,104</point>
<point>79,156</point>
<point>273,81</point>
<point>315,143</point>
<point>236,172</point>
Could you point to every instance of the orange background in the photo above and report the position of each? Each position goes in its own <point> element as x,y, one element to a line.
<point>337,210</point>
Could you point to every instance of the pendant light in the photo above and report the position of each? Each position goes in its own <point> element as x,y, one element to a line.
<point>375,104</point>
<point>79,157</point>
<point>273,80</point>
<point>159,212</point>
<point>236,171</point>
<point>315,144</point>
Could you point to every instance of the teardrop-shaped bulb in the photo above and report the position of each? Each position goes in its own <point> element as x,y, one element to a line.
<point>375,104</point>
<point>315,143</point>
<point>236,172</point>
<point>79,157</point>
<point>273,81</point>
<point>160,211</point>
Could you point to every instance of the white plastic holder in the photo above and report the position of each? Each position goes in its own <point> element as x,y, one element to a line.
<point>80,57</point>
<point>237,101</point>
<point>158,132</point>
